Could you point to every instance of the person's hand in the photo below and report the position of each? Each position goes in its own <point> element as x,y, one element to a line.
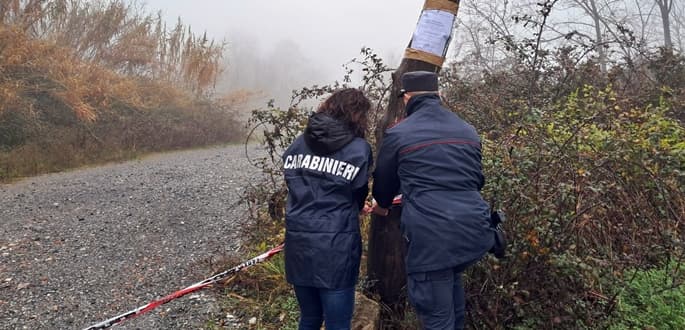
<point>372,207</point>
<point>368,208</point>
<point>379,210</point>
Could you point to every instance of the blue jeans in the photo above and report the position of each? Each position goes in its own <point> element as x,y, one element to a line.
<point>438,298</point>
<point>333,305</point>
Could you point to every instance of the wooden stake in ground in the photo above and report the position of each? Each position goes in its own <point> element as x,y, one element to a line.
<point>426,51</point>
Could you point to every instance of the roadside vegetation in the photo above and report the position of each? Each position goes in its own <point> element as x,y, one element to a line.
<point>85,82</point>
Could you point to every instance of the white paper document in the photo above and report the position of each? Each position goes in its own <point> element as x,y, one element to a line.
<point>433,31</point>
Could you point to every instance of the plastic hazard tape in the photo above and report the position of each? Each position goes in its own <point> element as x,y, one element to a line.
<point>420,55</point>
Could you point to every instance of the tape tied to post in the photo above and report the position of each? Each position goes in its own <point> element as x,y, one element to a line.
<point>444,5</point>
<point>420,55</point>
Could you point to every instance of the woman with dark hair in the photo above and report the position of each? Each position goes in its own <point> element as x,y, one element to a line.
<point>326,171</point>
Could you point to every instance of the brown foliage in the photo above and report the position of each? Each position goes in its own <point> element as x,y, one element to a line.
<point>121,37</point>
<point>84,82</point>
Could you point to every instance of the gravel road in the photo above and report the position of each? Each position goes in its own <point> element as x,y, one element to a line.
<point>82,246</point>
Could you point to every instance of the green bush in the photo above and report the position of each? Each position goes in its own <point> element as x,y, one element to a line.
<point>653,299</point>
<point>591,186</point>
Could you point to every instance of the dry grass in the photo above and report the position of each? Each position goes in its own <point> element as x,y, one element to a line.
<point>90,82</point>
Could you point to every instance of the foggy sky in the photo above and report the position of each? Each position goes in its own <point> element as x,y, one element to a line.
<point>312,38</point>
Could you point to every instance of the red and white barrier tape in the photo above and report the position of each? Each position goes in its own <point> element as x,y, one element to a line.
<point>197,286</point>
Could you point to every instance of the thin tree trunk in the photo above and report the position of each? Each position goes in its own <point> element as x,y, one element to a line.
<point>598,35</point>
<point>665,6</point>
<point>591,9</point>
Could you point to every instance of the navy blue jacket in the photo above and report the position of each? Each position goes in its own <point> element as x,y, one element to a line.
<point>433,158</point>
<point>327,172</point>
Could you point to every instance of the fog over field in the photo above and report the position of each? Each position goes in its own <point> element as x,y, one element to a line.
<point>276,46</point>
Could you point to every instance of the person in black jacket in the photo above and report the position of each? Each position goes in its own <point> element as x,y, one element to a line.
<point>327,172</point>
<point>433,159</point>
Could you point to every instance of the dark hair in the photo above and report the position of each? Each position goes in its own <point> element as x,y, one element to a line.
<point>350,106</point>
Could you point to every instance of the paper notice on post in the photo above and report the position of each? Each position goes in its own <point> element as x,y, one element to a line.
<point>433,31</point>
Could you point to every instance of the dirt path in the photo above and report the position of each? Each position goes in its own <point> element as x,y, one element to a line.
<point>82,246</point>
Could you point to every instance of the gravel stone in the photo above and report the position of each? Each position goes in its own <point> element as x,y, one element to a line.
<point>83,246</point>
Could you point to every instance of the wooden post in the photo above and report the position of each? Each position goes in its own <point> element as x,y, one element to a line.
<point>387,247</point>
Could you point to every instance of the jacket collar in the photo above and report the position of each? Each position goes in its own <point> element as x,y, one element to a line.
<point>420,101</point>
